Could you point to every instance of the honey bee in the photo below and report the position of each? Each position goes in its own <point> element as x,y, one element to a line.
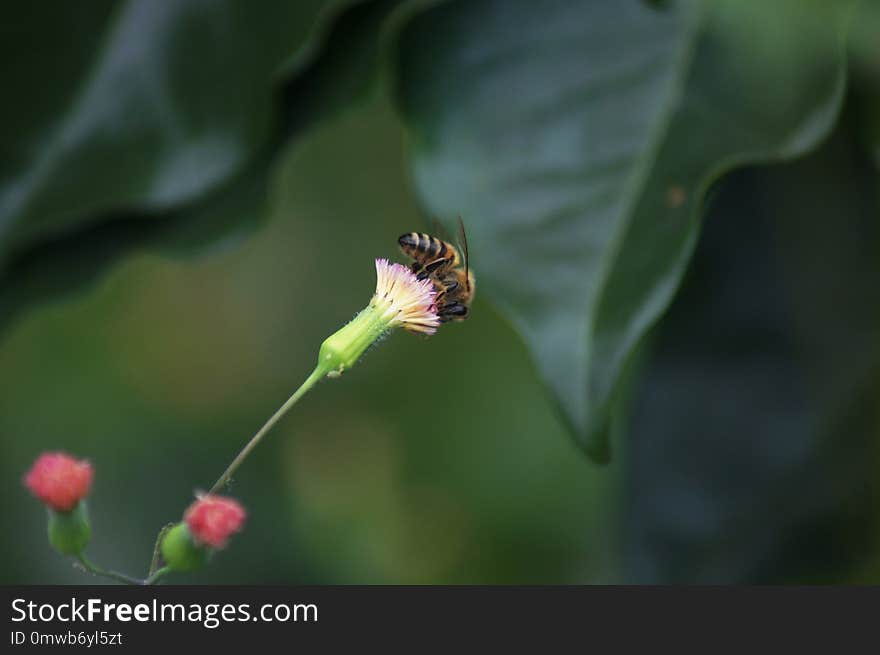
<point>447,268</point>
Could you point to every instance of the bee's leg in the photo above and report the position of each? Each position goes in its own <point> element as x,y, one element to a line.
<point>451,285</point>
<point>419,271</point>
<point>438,264</point>
<point>447,286</point>
<point>454,311</point>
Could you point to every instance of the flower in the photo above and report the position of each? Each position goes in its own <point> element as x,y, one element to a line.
<point>403,299</point>
<point>400,300</point>
<point>59,480</point>
<point>213,519</point>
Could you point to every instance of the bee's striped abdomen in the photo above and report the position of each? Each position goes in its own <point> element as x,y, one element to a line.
<point>422,247</point>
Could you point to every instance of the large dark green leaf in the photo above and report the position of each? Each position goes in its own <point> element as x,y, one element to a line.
<point>864,47</point>
<point>171,98</point>
<point>753,449</point>
<point>163,124</point>
<point>577,139</point>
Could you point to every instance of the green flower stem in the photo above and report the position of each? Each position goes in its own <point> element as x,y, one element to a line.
<point>156,575</point>
<point>223,480</point>
<point>339,352</point>
<point>104,573</point>
<point>93,568</point>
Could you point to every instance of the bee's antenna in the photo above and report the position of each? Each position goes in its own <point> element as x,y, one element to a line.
<point>462,237</point>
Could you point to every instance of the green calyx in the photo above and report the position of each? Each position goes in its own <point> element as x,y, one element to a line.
<point>70,532</point>
<point>341,350</point>
<point>181,552</point>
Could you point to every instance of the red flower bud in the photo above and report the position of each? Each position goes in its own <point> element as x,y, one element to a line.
<point>212,519</point>
<point>59,480</point>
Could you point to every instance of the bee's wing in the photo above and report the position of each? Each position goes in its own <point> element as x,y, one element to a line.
<point>463,245</point>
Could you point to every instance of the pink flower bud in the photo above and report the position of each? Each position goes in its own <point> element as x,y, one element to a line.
<point>213,519</point>
<point>59,480</point>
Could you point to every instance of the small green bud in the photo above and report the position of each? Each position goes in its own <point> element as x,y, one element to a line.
<point>180,551</point>
<point>70,532</point>
<point>341,350</point>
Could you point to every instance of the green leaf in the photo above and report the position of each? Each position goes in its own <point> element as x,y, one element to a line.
<point>577,140</point>
<point>171,99</point>
<point>864,48</point>
<point>157,125</point>
<point>752,451</point>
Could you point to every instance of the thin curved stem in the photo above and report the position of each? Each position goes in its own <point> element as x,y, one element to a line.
<point>156,573</point>
<point>154,577</point>
<point>157,549</point>
<point>224,479</point>
<point>104,573</point>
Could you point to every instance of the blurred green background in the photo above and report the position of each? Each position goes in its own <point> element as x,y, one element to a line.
<point>162,370</point>
<point>685,231</point>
